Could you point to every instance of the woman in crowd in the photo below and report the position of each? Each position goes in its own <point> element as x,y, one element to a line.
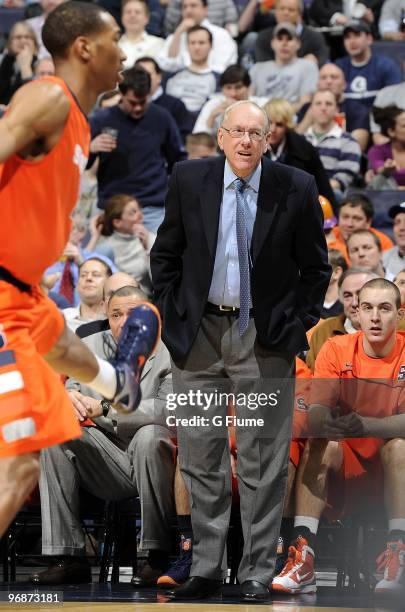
<point>293,149</point>
<point>17,63</point>
<point>120,227</point>
<point>387,161</point>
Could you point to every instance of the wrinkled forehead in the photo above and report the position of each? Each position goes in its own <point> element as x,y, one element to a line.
<point>246,115</point>
<point>123,304</point>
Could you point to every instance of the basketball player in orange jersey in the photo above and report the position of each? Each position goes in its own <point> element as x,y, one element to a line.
<point>44,145</point>
<point>358,407</point>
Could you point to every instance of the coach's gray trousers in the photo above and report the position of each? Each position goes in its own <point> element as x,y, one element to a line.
<point>99,466</point>
<point>222,360</point>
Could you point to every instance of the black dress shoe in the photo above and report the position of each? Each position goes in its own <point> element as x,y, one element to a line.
<point>73,570</point>
<point>197,588</point>
<point>251,590</point>
<point>147,576</point>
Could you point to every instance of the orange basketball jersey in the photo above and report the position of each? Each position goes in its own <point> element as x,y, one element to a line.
<point>37,197</point>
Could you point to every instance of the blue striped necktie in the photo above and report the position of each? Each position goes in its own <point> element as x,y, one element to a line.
<point>243,255</point>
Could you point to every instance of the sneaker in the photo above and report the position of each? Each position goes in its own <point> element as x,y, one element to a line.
<point>179,571</point>
<point>392,562</point>
<point>298,575</point>
<point>137,342</point>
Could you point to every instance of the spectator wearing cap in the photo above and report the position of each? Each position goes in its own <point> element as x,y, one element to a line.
<point>365,72</point>
<point>174,106</point>
<point>287,76</point>
<point>288,147</point>
<point>391,24</point>
<point>196,83</point>
<point>313,46</point>
<point>340,153</point>
<point>387,161</point>
<point>175,56</point>
<point>234,83</point>
<point>352,115</point>
<point>394,259</point>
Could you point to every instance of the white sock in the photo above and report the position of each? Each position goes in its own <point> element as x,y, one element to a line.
<point>397,524</point>
<point>307,521</point>
<point>105,382</point>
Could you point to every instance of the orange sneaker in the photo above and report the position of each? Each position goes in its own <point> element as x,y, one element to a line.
<point>298,574</point>
<point>392,562</point>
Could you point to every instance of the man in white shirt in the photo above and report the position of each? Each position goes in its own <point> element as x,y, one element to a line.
<point>92,275</point>
<point>175,56</point>
<point>136,42</point>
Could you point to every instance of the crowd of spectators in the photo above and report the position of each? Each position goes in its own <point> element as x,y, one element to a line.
<point>327,74</point>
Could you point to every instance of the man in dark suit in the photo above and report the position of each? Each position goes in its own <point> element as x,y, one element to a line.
<point>240,271</point>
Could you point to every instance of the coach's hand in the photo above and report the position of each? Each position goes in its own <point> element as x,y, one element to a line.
<point>85,407</point>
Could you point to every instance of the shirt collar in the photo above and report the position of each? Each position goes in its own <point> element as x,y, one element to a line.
<point>253,180</point>
<point>335,131</point>
<point>157,94</point>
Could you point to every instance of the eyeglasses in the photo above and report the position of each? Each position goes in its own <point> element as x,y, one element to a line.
<point>237,133</point>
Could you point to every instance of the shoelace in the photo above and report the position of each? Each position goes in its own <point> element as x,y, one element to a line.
<point>291,562</point>
<point>183,561</point>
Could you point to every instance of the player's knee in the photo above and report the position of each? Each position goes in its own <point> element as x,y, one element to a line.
<point>323,454</point>
<point>393,451</point>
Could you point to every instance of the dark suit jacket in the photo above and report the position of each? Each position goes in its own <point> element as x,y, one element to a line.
<point>300,153</point>
<point>321,11</point>
<point>311,42</point>
<point>290,271</point>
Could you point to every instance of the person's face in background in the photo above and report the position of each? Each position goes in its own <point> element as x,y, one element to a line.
<point>235,91</point>
<point>193,9</point>
<point>200,151</point>
<point>352,218</point>
<point>363,251</point>
<point>130,218</point>
<point>287,10</point>
<point>398,132</point>
<point>133,105</point>
<point>134,17</point>
<point>357,43</point>
<point>20,38</point>
<point>349,296</point>
<point>399,281</point>
<point>92,276</point>
<point>331,78</point>
<point>278,131</point>
<point>323,108</point>
<point>44,67</point>
<point>285,47</point>
<point>199,46</point>
<point>119,308</point>
<point>399,230</point>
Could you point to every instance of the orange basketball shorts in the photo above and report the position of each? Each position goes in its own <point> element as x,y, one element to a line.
<point>35,410</point>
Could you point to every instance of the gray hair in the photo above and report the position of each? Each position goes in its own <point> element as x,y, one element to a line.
<point>355,270</point>
<point>240,103</point>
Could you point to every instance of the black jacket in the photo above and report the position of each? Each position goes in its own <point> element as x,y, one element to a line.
<point>321,11</point>
<point>300,153</point>
<point>290,272</point>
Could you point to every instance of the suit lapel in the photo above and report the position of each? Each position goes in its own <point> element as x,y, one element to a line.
<point>147,366</point>
<point>210,199</point>
<point>271,192</point>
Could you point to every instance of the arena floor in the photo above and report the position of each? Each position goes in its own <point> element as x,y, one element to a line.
<point>124,598</point>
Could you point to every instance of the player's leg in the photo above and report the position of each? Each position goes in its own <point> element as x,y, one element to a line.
<point>18,477</point>
<point>392,560</point>
<point>114,381</point>
<point>320,458</point>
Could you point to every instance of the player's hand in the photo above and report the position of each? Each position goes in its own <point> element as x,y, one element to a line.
<point>142,233</point>
<point>347,426</point>
<point>85,407</point>
<point>73,252</point>
<point>103,143</point>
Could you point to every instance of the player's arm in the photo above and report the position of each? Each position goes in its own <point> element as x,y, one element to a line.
<point>37,111</point>
<point>387,427</point>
